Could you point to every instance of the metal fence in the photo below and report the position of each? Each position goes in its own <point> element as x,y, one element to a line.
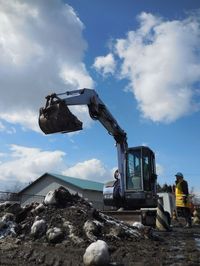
<point>15,197</point>
<point>8,196</point>
<point>28,198</point>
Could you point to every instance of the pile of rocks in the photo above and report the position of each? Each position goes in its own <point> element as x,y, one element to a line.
<point>64,218</point>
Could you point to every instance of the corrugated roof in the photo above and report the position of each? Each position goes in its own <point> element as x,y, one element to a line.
<point>82,183</point>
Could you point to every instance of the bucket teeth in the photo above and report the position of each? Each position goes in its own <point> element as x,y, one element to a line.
<point>58,118</point>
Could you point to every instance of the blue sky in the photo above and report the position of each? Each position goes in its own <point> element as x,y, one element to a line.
<point>143,59</point>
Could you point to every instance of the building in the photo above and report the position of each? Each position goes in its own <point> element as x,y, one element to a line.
<point>36,191</point>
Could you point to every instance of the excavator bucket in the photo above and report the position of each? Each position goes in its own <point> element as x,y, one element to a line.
<point>58,118</point>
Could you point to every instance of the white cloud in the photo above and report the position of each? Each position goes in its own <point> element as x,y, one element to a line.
<point>25,164</point>
<point>92,169</point>
<point>2,154</point>
<point>105,64</point>
<point>2,127</point>
<point>82,114</point>
<point>78,79</point>
<point>28,118</point>
<point>161,60</point>
<point>42,48</point>
<point>7,129</point>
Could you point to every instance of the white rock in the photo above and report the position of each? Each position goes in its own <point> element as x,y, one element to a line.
<point>50,198</point>
<point>195,213</point>
<point>54,234</point>
<point>8,228</point>
<point>138,225</point>
<point>8,217</point>
<point>90,229</point>
<point>72,234</point>
<point>38,209</point>
<point>196,220</point>
<point>37,218</point>
<point>38,228</point>
<point>96,254</point>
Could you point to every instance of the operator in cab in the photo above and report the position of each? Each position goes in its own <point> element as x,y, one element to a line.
<point>182,199</point>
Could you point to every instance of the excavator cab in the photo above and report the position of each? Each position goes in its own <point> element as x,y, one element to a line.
<point>140,169</point>
<point>139,181</point>
<point>56,117</point>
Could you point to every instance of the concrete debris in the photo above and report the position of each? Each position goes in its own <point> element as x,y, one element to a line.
<point>72,233</point>
<point>38,228</point>
<point>196,217</point>
<point>196,220</point>
<point>38,209</point>
<point>8,217</point>
<point>138,225</point>
<point>97,254</point>
<point>115,232</point>
<point>92,229</point>
<point>8,227</point>
<point>124,229</point>
<point>60,196</point>
<point>50,198</point>
<point>55,235</point>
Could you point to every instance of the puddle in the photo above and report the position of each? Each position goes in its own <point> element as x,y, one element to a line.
<point>176,257</point>
<point>179,257</point>
<point>197,241</point>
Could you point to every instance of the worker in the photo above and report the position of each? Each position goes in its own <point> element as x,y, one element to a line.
<point>117,190</point>
<point>116,175</point>
<point>182,198</point>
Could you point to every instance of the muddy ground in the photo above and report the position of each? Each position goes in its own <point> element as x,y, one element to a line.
<point>180,246</point>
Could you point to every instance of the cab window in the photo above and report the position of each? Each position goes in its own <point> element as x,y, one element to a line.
<point>133,181</point>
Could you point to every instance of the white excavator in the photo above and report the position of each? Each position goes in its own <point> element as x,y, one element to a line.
<point>134,186</point>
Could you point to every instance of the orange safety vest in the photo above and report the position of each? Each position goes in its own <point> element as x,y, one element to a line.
<point>180,197</point>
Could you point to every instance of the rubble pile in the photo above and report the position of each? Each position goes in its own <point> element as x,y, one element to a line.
<point>60,217</point>
<point>62,220</point>
<point>65,230</point>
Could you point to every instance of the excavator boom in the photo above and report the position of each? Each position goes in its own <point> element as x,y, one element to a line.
<point>56,117</point>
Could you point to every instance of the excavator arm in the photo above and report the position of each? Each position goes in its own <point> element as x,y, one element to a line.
<point>56,117</point>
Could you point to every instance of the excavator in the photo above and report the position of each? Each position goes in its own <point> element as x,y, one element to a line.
<point>134,186</point>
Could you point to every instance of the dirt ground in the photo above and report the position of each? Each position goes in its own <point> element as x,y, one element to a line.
<point>180,246</point>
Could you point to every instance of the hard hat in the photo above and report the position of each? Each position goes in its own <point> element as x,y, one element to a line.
<point>179,174</point>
